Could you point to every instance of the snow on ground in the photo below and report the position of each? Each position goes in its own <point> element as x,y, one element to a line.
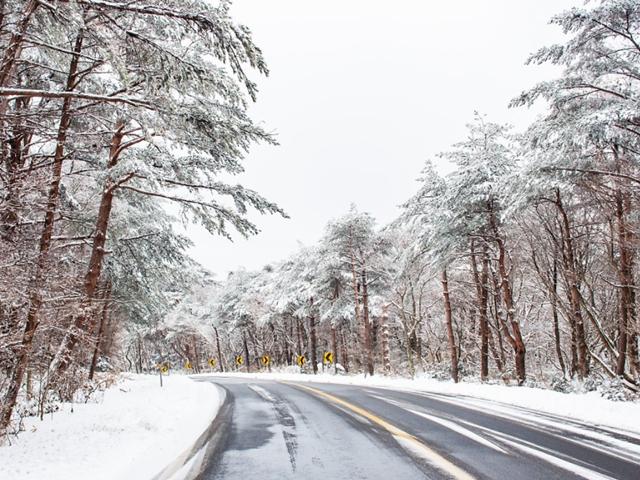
<point>586,407</point>
<point>136,431</point>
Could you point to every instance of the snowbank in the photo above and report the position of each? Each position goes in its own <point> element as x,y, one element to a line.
<point>136,431</point>
<point>586,407</point>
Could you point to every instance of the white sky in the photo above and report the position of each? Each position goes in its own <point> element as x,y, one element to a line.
<point>361,93</point>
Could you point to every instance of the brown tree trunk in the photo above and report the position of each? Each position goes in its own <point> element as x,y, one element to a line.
<point>453,352</point>
<point>37,281</point>
<point>480,281</point>
<point>299,336</point>
<point>497,309</point>
<point>574,291</point>
<point>494,351</point>
<point>276,354</point>
<point>345,349</point>
<point>515,336</point>
<point>313,341</point>
<point>254,347</point>
<point>220,359</point>
<point>287,340</point>
<point>634,356</point>
<point>554,311</point>
<point>386,355</point>
<point>627,319</point>
<point>140,369</point>
<point>334,348</point>
<point>246,351</point>
<point>368,344</point>
<point>196,355</point>
<point>356,294</point>
<point>103,321</point>
<point>14,45</point>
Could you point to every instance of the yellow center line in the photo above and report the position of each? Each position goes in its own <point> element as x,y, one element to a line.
<point>405,439</point>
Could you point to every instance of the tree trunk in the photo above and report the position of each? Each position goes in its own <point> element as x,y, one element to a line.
<point>627,318</point>
<point>554,311</point>
<point>386,355</point>
<point>299,336</point>
<point>368,344</point>
<point>334,348</point>
<point>345,349</point>
<point>515,336</point>
<point>574,291</point>
<point>634,356</point>
<point>140,369</point>
<point>103,321</point>
<point>287,339</point>
<point>246,352</point>
<point>276,353</point>
<point>14,46</point>
<point>254,347</point>
<point>313,341</point>
<point>196,355</point>
<point>356,294</point>
<point>482,302</point>
<point>497,309</point>
<point>221,366</point>
<point>453,352</point>
<point>494,351</point>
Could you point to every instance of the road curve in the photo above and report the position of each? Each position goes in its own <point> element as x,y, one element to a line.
<point>285,430</point>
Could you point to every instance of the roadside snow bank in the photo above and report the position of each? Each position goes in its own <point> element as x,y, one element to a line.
<point>586,407</point>
<point>133,433</point>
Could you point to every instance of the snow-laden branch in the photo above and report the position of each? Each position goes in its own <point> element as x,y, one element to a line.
<point>30,93</point>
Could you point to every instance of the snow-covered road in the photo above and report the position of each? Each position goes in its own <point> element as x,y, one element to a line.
<point>292,430</point>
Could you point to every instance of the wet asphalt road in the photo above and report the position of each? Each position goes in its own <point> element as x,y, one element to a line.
<point>276,430</point>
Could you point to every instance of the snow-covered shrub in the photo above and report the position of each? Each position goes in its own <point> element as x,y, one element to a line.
<point>93,390</point>
<point>439,372</point>
<point>561,384</point>
<point>532,382</point>
<point>591,384</point>
<point>615,389</point>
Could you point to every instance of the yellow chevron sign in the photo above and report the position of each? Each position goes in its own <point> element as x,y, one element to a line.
<point>301,360</point>
<point>327,357</point>
<point>212,362</point>
<point>239,360</point>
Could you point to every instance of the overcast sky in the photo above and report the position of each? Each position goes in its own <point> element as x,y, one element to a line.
<point>361,93</point>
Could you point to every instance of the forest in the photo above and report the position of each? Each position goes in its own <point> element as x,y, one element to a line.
<point>122,120</point>
<point>519,266</point>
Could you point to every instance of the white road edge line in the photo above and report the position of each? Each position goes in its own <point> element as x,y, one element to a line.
<point>597,441</point>
<point>461,430</point>
<point>553,460</point>
<point>447,424</point>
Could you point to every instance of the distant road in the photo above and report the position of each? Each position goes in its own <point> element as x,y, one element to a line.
<point>305,431</point>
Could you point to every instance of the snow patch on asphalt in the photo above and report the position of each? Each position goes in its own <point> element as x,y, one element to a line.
<point>263,393</point>
<point>137,430</point>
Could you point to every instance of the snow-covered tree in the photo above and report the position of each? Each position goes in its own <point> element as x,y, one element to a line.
<point>133,99</point>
